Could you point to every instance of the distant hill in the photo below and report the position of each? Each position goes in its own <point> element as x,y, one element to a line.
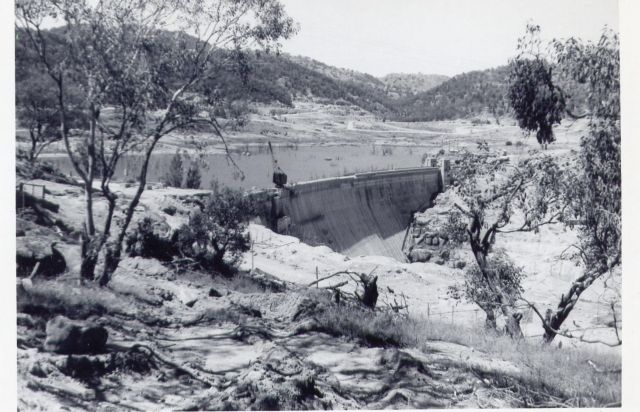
<point>405,84</point>
<point>284,79</point>
<point>461,96</point>
<point>339,74</point>
<point>270,78</point>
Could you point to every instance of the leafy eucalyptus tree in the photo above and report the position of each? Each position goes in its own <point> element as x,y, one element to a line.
<point>492,197</point>
<point>594,198</point>
<point>139,66</point>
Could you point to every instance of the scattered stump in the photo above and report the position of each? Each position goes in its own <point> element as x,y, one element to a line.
<point>369,296</point>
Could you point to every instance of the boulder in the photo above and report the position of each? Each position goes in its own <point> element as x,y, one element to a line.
<point>31,250</point>
<point>419,255</point>
<point>214,293</point>
<point>74,337</point>
<point>460,264</point>
<point>33,247</point>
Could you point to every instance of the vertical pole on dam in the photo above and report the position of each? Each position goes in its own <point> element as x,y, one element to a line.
<point>445,167</point>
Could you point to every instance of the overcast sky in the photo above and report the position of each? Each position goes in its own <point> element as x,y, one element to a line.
<point>434,36</point>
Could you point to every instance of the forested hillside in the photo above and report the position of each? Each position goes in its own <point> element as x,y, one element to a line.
<point>270,78</point>
<point>406,84</point>
<point>253,77</point>
<point>461,96</point>
<point>284,78</point>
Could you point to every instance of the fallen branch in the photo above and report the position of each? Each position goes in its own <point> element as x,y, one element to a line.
<point>187,371</point>
<point>342,272</point>
<point>336,286</point>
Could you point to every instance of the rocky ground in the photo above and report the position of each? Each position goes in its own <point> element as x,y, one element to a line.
<point>191,342</point>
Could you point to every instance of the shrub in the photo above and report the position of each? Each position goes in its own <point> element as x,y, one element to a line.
<point>145,241</point>
<point>173,177</point>
<point>476,289</point>
<point>508,143</point>
<point>193,177</point>
<point>477,121</point>
<point>170,210</point>
<point>216,236</point>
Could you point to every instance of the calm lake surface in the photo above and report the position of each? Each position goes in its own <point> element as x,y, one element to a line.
<point>300,163</point>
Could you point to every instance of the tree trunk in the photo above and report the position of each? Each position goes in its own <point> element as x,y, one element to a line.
<point>218,258</point>
<point>34,142</point>
<point>512,317</point>
<point>88,209</point>
<point>89,256</point>
<point>115,251</point>
<point>512,322</point>
<point>490,321</point>
<point>88,184</point>
<point>112,256</point>
<point>111,262</point>
<point>553,321</point>
<point>91,246</point>
<point>489,311</point>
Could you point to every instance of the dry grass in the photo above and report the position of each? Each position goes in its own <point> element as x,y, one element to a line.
<point>560,377</point>
<point>50,298</point>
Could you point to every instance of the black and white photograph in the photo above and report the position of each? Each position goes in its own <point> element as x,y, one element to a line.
<point>318,205</point>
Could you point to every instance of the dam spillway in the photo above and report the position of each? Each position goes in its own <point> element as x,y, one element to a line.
<point>362,214</point>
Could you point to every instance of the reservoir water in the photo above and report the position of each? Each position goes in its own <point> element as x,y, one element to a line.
<point>301,163</point>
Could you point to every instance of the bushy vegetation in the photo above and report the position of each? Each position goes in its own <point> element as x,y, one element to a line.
<point>476,287</point>
<point>174,175</point>
<point>145,241</point>
<point>216,236</point>
<point>194,177</point>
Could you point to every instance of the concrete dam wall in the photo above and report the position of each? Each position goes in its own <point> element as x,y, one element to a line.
<point>363,214</point>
